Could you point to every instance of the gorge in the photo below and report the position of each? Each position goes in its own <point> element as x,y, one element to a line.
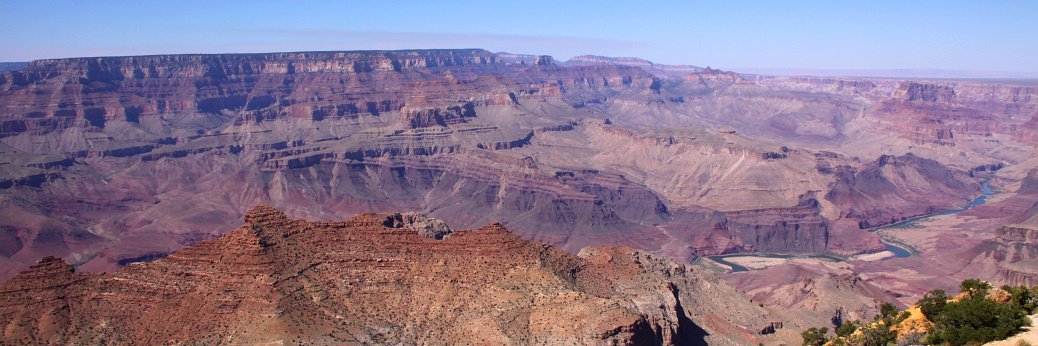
<point>141,166</point>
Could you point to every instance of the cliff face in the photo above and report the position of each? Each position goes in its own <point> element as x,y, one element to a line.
<point>813,292</point>
<point>375,279</point>
<point>770,230</point>
<point>936,113</point>
<point>116,69</point>
<point>1015,247</point>
<point>920,92</point>
<point>908,184</point>
<point>1029,131</point>
<point>96,153</point>
<point>94,92</point>
<point>1016,251</point>
<point>119,145</point>
<point>931,113</point>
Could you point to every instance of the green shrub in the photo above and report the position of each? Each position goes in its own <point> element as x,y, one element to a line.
<point>979,321</point>
<point>974,288</point>
<point>932,304</point>
<point>1024,297</point>
<point>815,336</point>
<point>847,328</point>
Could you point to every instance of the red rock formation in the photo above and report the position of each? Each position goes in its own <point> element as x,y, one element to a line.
<point>108,161</point>
<point>1028,132</point>
<point>919,92</point>
<point>908,185</point>
<point>1015,250</point>
<point>813,292</point>
<point>936,113</point>
<point>1020,273</point>
<point>374,279</point>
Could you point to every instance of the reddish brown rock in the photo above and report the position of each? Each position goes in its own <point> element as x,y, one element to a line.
<point>112,161</point>
<point>374,279</point>
<point>920,92</point>
<point>813,292</point>
<point>908,185</point>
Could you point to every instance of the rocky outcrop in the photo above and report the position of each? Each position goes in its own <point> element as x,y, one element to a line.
<point>1028,131</point>
<point>813,292</point>
<point>262,87</point>
<point>1019,273</point>
<point>908,185</point>
<point>796,229</point>
<point>1015,250</point>
<point>856,87</point>
<point>366,280</point>
<point>1018,234</point>
<point>166,84</point>
<point>437,116</point>
<point>921,92</point>
<point>1029,185</point>
<point>89,70</point>
<point>935,113</point>
<point>419,223</point>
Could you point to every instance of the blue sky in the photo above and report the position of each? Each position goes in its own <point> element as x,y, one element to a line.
<point>955,35</point>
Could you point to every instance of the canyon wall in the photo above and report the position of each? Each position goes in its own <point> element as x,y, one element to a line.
<point>97,153</point>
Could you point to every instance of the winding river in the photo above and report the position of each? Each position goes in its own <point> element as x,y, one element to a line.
<point>899,251</point>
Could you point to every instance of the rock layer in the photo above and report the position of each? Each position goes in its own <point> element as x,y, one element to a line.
<point>97,153</point>
<point>372,279</point>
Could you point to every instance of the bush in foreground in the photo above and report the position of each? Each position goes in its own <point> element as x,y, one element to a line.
<point>979,314</point>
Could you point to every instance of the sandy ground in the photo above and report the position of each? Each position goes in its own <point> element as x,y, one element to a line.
<point>869,257</point>
<point>754,262</point>
<point>1028,337</point>
<point>714,265</point>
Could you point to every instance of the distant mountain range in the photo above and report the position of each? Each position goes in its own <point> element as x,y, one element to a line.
<point>662,69</point>
<point>890,73</point>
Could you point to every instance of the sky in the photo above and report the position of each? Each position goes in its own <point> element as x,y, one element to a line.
<point>835,34</point>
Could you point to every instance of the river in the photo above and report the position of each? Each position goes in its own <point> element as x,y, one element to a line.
<point>899,251</point>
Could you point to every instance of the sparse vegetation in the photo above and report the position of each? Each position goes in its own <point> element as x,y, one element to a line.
<point>846,329</point>
<point>977,318</point>
<point>979,314</point>
<point>815,336</point>
<point>933,303</point>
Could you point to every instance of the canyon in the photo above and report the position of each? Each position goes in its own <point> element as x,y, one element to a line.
<point>106,162</point>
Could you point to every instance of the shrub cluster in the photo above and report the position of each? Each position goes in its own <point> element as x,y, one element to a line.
<point>977,315</point>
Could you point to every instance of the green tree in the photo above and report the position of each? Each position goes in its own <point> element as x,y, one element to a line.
<point>974,288</point>
<point>888,310</point>
<point>847,328</point>
<point>979,321</point>
<point>815,336</point>
<point>878,334</point>
<point>933,304</point>
<point>1031,304</point>
<point>1024,297</point>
